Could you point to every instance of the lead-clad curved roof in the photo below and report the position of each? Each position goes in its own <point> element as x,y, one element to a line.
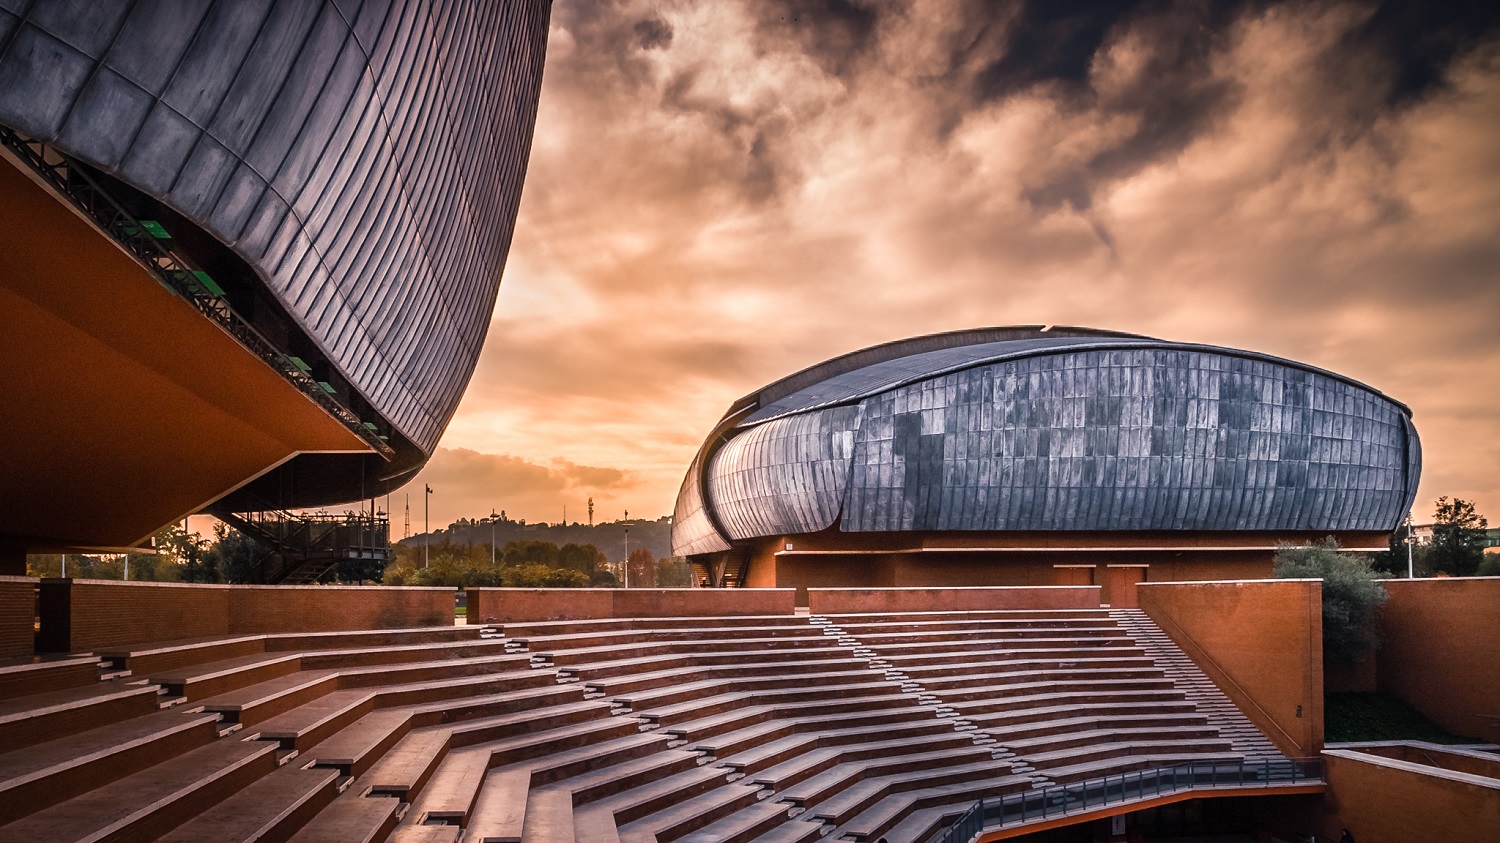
<point>1079,431</point>
<point>365,157</point>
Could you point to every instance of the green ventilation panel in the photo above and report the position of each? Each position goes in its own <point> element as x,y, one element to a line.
<point>327,387</point>
<point>154,229</point>
<point>208,282</point>
<point>299,362</point>
<point>369,425</point>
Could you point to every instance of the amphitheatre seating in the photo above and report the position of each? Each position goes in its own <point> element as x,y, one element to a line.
<point>746,729</point>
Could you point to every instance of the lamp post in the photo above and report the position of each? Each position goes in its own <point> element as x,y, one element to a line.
<point>627,557</point>
<point>492,537</point>
<point>1409,541</point>
<point>426,523</point>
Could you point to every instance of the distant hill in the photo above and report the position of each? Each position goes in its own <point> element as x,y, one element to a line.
<point>609,538</point>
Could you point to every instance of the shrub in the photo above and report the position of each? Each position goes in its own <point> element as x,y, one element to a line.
<point>1352,596</point>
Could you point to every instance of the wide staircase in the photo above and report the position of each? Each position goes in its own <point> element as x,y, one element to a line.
<point>731,730</point>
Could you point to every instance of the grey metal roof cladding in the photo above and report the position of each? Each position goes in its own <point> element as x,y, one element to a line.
<point>1071,432</point>
<point>365,157</point>
<point>883,375</point>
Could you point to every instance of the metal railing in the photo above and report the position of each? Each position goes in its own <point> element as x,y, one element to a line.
<point>175,272</point>
<point>1059,800</point>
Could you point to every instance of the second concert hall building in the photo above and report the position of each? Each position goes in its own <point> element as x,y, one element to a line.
<point>1042,455</point>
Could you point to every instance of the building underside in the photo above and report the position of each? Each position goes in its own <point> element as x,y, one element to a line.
<point>250,252</point>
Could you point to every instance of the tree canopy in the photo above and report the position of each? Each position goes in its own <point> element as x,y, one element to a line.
<point>1352,596</point>
<point>1457,546</point>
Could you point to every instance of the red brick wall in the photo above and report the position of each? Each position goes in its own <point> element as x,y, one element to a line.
<point>840,601</point>
<point>17,616</point>
<point>1261,642</point>
<point>330,608</point>
<point>497,605</point>
<point>84,615</point>
<point>702,602</point>
<point>1388,801</point>
<point>87,615</point>
<point>1440,647</point>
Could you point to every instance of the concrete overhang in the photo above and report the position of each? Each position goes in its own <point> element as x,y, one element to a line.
<point>123,408</point>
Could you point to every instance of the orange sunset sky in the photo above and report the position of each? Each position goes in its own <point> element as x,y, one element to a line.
<point>721,193</point>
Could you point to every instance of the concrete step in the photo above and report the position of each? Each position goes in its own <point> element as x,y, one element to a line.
<point>272,808</point>
<point>43,775</point>
<point>675,821</point>
<point>152,802</point>
<point>879,819</point>
<point>351,819</point>
<point>359,745</point>
<point>405,769</point>
<point>49,715</point>
<point>212,678</point>
<point>263,700</point>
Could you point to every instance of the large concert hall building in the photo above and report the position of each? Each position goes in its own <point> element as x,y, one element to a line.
<point>1042,455</point>
<point>248,250</point>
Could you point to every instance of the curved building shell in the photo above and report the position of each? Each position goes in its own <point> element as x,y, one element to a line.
<point>1048,441</point>
<point>333,185</point>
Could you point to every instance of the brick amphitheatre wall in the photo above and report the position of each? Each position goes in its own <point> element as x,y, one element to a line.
<point>1440,644</point>
<point>497,605</point>
<point>1260,641</point>
<point>1384,800</point>
<point>86,615</point>
<point>17,616</point>
<point>846,601</point>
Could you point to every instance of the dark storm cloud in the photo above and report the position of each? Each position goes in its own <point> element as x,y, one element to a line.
<point>1418,41</point>
<point>779,183</point>
<point>654,34</point>
<point>834,33</point>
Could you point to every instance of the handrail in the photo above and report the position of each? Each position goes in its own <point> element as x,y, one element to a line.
<point>1265,715</point>
<point>1058,800</point>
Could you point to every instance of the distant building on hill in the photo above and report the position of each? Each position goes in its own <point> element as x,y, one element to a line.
<point>1032,455</point>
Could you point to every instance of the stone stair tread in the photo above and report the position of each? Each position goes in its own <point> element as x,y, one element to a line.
<point>549,817</point>
<point>426,834</point>
<point>60,713</point>
<point>270,808</point>
<point>665,762</point>
<point>498,812</point>
<point>305,718</point>
<point>162,796</point>
<point>408,765</point>
<point>63,753</point>
<point>693,812</point>
<point>454,786</point>
<point>663,789</point>
<point>793,831</point>
<point>223,667</point>
<point>19,710</point>
<point>357,745</point>
<point>351,819</point>
<point>1138,747</point>
<point>884,814</point>
<point>859,796</point>
<point>742,825</point>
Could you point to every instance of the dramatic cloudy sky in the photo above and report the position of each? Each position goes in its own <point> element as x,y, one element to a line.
<point>723,192</point>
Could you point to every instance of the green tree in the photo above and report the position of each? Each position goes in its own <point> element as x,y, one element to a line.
<point>1392,561</point>
<point>642,564</point>
<point>673,572</point>
<point>531,553</point>
<point>1352,596</point>
<point>1457,538</point>
<point>583,558</point>
<point>233,556</point>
